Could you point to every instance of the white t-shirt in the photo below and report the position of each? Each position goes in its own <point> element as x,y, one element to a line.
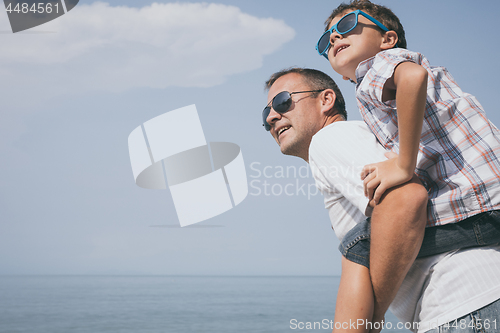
<point>442,288</point>
<point>437,289</point>
<point>337,155</point>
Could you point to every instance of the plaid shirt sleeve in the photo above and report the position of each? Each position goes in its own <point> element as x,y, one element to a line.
<point>459,147</point>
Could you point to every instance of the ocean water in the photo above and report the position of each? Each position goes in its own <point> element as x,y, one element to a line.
<point>173,304</point>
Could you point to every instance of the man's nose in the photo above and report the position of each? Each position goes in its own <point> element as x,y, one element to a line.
<point>273,117</point>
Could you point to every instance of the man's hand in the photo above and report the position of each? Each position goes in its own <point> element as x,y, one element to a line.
<point>379,177</point>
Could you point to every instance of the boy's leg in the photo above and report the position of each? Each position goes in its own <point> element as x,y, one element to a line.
<point>478,230</point>
<point>354,305</point>
<point>397,229</point>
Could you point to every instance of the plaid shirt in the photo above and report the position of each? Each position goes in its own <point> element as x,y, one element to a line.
<point>459,147</point>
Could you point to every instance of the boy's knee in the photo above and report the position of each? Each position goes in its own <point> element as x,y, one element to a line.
<point>410,197</point>
<point>415,193</point>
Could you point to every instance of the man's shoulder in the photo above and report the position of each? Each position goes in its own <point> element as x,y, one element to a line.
<point>341,133</point>
<point>343,140</point>
<point>341,130</point>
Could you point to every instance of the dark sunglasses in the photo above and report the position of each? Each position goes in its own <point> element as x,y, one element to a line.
<point>343,26</point>
<point>280,103</point>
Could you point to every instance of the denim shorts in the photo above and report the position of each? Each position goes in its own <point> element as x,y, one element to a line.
<point>478,230</point>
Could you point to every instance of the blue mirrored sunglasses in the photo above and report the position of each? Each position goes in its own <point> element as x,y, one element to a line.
<point>343,26</point>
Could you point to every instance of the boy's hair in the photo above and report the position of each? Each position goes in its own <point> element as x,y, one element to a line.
<point>316,80</point>
<point>381,13</point>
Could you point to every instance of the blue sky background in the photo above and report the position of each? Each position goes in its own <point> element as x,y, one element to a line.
<point>73,89</point>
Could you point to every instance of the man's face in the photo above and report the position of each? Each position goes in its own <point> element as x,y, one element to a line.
<point>294,129</point>
<point>349,50</point>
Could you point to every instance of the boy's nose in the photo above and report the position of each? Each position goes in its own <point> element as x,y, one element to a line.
<point>334,36</point>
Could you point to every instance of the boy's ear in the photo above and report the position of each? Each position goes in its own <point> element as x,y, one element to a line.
<point>389,40</point>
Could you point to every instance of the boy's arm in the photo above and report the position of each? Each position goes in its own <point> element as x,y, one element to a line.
<point>409,86</point>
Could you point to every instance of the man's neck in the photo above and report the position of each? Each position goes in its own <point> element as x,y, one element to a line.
<point>332,119</point>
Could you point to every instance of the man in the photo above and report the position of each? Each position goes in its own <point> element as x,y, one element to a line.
<point>306,116</point>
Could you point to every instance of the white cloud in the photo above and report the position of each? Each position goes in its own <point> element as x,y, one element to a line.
<point>101,47</point>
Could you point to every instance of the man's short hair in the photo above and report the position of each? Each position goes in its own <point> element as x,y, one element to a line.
<point>315,80</point>
<point>381,13</point>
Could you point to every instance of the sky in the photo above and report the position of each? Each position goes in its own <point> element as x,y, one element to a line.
<point>74,88</point>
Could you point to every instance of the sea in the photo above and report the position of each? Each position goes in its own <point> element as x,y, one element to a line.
<point>170,304</point>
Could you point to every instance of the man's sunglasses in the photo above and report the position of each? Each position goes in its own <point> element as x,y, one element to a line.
<point>280,103</point>
<point>343,26</point>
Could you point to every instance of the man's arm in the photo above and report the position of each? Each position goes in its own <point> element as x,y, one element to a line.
<point>397,229</point>
<point>397,222</point>
<point>354,299</point>
<point>409,86</point>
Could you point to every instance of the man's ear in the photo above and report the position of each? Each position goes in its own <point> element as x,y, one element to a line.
<point>327,101</point>
<point>389,40</point>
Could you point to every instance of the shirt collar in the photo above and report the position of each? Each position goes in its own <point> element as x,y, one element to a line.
<point>362,69</point>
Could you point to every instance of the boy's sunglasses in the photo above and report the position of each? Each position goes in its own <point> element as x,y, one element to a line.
<point>280,103</point>
<point>343,26</point>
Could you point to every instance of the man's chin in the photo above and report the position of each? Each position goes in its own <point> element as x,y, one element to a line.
<point>288,150</point>
<point>294,148</point>
<point>284,150</point>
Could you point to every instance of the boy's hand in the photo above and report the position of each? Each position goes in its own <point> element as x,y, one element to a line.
<point>379,177</point>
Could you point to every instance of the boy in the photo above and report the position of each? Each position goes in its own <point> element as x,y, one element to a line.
<point>441,133</point>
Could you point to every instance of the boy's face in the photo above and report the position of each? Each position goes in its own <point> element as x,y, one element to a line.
<point>350,49</point>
